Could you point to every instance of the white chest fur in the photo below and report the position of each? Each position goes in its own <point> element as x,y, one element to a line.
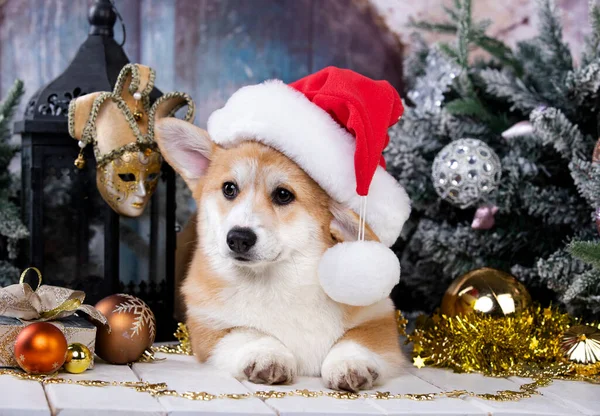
<point>290,307</point>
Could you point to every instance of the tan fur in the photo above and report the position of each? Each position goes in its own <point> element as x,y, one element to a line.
<point>379,335</point>
<point>203,338</point>
<point>186,245</point>
<point>308,193</point>
<point>204,287</point>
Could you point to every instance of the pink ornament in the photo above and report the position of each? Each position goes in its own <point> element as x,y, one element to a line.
<point>521,128</point>
<point>484,217</point>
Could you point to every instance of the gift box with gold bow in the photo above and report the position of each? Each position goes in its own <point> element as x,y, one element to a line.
<point>21,305</point>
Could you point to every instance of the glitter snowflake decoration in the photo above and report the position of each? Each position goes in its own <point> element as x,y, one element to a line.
<point>142,313</point>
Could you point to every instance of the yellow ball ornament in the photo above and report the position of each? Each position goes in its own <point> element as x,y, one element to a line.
<point>486,290</point>
<point>78,359</point>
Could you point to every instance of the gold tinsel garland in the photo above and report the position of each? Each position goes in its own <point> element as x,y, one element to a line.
<point>524,344</point>
<point>182,347</point>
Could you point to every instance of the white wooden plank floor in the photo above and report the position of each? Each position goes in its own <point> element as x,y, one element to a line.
<point>183,373</point>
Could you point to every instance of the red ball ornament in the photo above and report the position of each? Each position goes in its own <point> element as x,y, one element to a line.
<point>40,348</point>
<point>133,328</point>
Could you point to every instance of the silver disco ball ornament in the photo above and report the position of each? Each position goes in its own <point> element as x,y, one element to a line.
<point>465,172</point>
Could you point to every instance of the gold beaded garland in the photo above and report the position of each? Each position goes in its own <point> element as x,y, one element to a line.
<point>162,389</point>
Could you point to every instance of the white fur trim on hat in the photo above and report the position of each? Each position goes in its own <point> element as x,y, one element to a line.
<point>359,273</point>
<point>277,115</point>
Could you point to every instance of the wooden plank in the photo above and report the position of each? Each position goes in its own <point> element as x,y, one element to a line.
<point>22,398</point>
<point>579,395</point>
<point>537,405</point>
<point>296,405</point>
<point>157,31</point>
<point>409,383</point>
<point>38,40</point>
<point>184,373</point>
<point>130,11</point>
<point>19,397</point>
<point>225,44</point>
<point>350,34</point>
<point>73,400</point>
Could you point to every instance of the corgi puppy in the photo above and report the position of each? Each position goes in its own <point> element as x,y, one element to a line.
<point>254,305</point>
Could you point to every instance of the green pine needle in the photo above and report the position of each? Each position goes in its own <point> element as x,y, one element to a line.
<point>8,108</point>
<point>464,33</point>
<point>593,40</point>
<point>11,227</point>
<point>444,27</point>
<point>587,251</point>
<point>549,184</point>
<point>551,37</point>
<point>500,51</point>
<point>466,107</point>
<point>449,50</point>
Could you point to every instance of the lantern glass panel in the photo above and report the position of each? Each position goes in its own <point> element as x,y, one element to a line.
<point>73,224</point>
<point>141,246</point>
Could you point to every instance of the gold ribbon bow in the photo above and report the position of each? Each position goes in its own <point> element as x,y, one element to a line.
<point>44,303</point>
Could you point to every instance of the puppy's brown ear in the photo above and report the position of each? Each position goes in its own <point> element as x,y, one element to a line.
<point>345,223</point>
<point>185,147</point>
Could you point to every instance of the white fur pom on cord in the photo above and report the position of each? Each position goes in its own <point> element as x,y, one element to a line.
<point>359,273</point>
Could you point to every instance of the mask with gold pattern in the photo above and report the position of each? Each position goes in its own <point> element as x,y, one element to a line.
<point>120,126</point>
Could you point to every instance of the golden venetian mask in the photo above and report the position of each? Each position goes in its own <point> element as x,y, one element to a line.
<point>120,126</point>
<point>128,181</point>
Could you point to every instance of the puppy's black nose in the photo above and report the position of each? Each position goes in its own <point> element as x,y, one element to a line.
<point>241,240</point>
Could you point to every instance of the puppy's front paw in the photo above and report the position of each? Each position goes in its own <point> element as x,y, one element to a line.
<point>270,368</point>
<point>350,375</point>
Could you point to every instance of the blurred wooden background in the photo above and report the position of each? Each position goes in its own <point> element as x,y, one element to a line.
<point>208,48</point>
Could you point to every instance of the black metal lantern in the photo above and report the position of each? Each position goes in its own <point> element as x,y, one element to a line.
<point>76,239</point>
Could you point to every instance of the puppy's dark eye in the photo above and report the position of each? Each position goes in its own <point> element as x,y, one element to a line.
<point>282,196</point>
<point>230,190</point>
<point>127,177</point>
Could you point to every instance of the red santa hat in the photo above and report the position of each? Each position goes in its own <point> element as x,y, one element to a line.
<point>333,124</point>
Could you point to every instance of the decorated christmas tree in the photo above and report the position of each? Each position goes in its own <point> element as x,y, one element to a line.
<point>11,228</point>
<point>538,112</point>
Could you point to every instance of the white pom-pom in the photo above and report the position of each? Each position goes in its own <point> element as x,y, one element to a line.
<point>359,273</point>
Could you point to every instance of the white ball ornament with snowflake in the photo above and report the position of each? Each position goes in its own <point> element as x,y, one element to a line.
<point>465,172</point>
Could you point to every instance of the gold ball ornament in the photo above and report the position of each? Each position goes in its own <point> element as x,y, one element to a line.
<point>581,343</point>
<point>486,290</point>
<point>40,348</point>
<point>78,359</point>
<point>132,329</point>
